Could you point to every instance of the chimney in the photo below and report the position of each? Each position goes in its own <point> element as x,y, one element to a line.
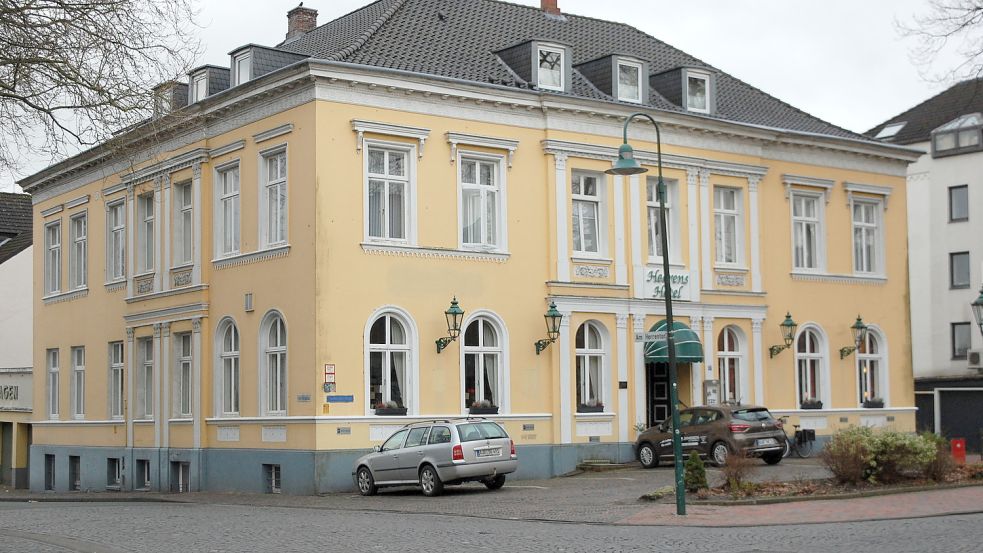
<point>301,20</point>
<point>550,7</point>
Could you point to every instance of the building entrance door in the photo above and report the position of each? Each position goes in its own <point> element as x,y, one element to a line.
<point>657,392</point>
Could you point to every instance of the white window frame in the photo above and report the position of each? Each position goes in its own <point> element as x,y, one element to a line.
<point>52,257</point>
<point>199,93</point>
<point>184,376</point>
<point>637,66</point>
<point>876,262</point>
<point>719,214</point>
<point>705,77</point>
<point>237,65</point>
<point>672,216</point>
<point>599,202</point>
<point>52,356</point>
<point>145,381</point>
<point>563,63</point>
<point>78,382</point>
<point>496,161</point>
<point>183,225</point>
<point>273,227</point>
<point>78,258</point>
<point>116,380</point>
<point>879,378</point>
<point>116,241</point>
<point>228,400</point>
<point>409,200</point>
<point>411,348</point>
<point>820,233</point>
<point>146,232</point>
<point>581,364</point>
<point>823,366</point>
<point>738,355</point>
<point>500,350</point>
<point>274,404</point>
<point>228,234</point>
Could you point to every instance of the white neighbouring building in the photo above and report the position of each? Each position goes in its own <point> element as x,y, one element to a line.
<point>945,256</point>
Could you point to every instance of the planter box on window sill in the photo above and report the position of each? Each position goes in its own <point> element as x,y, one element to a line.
<point>590,408</point>
<point>391,412</point>
<point>874,404</point>
<point>483,411</point>
<point>812,405</point>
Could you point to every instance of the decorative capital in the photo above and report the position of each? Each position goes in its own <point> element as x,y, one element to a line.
<point>158,183</point>
<point>165,329</point>
<point>704,178</point>
<point>692,176</point>
<point>561,160</point>
<point>696,323</point>
<point>156,330</point>
<point>621,319</point>
<point>752,183</point>
<point>638,322</point>
<point>756,325</point>
<point>129,334</point>
<point>196,325</point>
<point>130,191</point>
<point>565,321</point>
<point>196,171</point>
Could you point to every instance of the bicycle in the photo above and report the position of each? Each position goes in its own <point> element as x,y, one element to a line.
<point>800,443</point>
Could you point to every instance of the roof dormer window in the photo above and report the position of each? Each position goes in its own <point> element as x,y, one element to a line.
<point>698,92</point>
<point>629,81</point>
<point>958,136</point>
<point>199,87</point>
<point>242,64</point>
<point>550,74</point>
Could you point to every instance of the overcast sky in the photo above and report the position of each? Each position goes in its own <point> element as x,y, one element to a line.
<point>841,60</point>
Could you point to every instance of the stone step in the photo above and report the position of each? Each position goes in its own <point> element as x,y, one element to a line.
<point>600,465</point>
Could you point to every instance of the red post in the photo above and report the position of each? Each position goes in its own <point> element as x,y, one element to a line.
<point>958,448</point>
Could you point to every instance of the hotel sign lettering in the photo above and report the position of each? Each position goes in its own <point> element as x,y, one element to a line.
<point>9,392</point>
<point>678,282</point>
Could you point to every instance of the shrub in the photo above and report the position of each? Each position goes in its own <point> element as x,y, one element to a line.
<point>737,470</point>
<point>855,455</point>
<point>942,465</point>
<point>849,455</point>
<point>696,473</point>
<point>898,454</point>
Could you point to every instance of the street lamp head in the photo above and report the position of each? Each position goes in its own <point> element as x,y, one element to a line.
<point>977,306</point>
<point>553,318</point>
<point>626,164</point>
<point>859,330</point>
<point>788,329</point>
<point>454,314</point>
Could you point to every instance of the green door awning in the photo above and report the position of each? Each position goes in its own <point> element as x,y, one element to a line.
<point>688,346</point>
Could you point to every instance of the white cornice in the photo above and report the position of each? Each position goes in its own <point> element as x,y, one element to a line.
<point>433,253</point>
<point>273,133</point>
<point>251,257</point>
<point>169,165</point>
<point>674,161</point>
<point>361,127</point>
<point>227,149</point>
<point>81,200</point>
<point>166,314</point>
<point>873,189</point>
<point>455,139</point>
<point>797,180</point>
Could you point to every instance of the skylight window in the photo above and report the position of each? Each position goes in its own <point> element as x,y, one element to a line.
<point>891,130</point>
<point>550,68</point>
<point>629,82</point>
<point>958,136</point>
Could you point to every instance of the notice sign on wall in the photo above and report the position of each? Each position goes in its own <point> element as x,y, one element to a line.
<point>654,285</point>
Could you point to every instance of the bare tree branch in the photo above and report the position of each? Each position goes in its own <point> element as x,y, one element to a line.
<point>947,27</point>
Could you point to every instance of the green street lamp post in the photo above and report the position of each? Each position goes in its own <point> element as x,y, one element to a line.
<point>625,166</point>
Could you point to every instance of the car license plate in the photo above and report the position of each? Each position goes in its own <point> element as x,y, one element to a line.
<point>765,441</point>
<point>490,452</point>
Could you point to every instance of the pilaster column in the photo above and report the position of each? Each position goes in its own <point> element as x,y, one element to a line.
<point>706,229</point>
<point>196,380</point>
<point>756,347</point>
<point>709,345</point>
<point>692,197</point>
<point>164,378</point>
<point>635,213</point>
<point>756,285</point>
<point>197,243</point>
<point>562,219</point>
<point>620,257</point>
<point>638,352</point>
<point>158,234</point>
<point>130,369</point>
<point>156,395</point>
<point>164,234</point>
<point>130,244</point>
<point>621,320</point>
<point>696,374</point>
<point>566,433</point>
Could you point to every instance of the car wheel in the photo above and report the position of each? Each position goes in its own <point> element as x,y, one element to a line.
<point>495,482</point>
<point>647,456</point>
<point>366,484</point>
<point>718,453</point>
<point>430,481</point>
<point>773,458</point>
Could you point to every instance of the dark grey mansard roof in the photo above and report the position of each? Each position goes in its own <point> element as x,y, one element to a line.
<point>15,223</point>
<point>460,38</point>
<point>960,99</point>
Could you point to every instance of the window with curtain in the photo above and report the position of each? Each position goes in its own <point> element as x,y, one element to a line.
<point>145,237</point>
<point>145,384</point>
<point>806,231</point>
<point>870,363</point>
<point>52,258</point>
<point>482,363</point>
<point>53,373</point>
<point>388,184</point>
<point>275,198</point>
<point>629,82</point>
<point>727,224</point>
<point>116,380</point>
<point>389,353</point>
<point>654,215</point>
<point>729,365</point>
<point>79,259</point>
<point>229,358</point>
<point>866,237</point>
<point>183,225</point>
<point>228,213</point>
<point>116,241</point>
<point>276,366</point>
<point>550,68</point>
<point>590,366</point>
<point>184,375</point>
<point>809,360</point>
<point>480,197</point>
<point>586,193</point>
<point>78,382</point>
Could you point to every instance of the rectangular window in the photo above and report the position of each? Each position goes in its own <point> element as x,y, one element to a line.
<point>387,188</point>
<point>200,88</point>
<point>654,217</point>
<point>184,375</point>
<point>243,65</point>
<point>145,238</point>
<point>53,371</point>
<point>629,82</point>
<point>74,473</point>
<point>866,237</point>
<point>78,382</point>
<point>142,481</point>
<point>960,340</point>
<point>116,380</point>
<point>806,231</point>
<point>145,382</point>
<point>959,270</point>
<point>727,224</point>
<point>550,68</point>
<point>586,193</point>
<point>78,260</point>
<point>272,475</point>
<point>958,203</point>
<point>697,92</point>
<point>480,202</point>
<point>183,225</point>
<point>274,215</point>
<point>116,241</point>
<point>114,473</point>
<point>52,258</point>
<point>228,214</point>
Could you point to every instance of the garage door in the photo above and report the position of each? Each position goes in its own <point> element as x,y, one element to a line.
<point>962,416</point>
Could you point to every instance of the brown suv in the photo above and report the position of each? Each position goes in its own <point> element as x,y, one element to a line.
<point>713,431</point>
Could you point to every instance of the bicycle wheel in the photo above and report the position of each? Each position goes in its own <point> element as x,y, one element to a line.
<point>804,449</point>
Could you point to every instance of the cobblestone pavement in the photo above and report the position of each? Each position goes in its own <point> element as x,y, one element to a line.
<point>170,527</point>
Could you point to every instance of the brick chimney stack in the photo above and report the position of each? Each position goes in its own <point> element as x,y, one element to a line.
<point>550,7</point>
<point>300,20</point>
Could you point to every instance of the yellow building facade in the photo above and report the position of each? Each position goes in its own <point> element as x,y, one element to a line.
<point>251,300</point>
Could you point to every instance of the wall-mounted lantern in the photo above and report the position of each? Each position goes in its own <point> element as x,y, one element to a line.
<point>553,318</point>
<point>859,330</point>
<point>788,327</point>
<point>454,314</point>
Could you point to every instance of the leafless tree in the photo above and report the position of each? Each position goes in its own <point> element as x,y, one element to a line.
<point>74,72</point>
<point>948,27</point>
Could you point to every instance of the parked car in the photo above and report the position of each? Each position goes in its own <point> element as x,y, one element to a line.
<point>434,454</point>
<point>714,431</point>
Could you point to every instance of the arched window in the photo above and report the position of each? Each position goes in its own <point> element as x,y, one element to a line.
<point>389,353</point>
<point>730,365</point>
<point>482,363</point>
<point>274,365</point>
<point>809,360</point>
<point>229,360</point>
<point>590,368</point>
<point>870,368</point>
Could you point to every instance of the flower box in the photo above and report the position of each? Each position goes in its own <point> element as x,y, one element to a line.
<point>493,410</point>
<point>590,408</point>
<point>390,411</point>
<point>811,405</point>
<point>873,403</point>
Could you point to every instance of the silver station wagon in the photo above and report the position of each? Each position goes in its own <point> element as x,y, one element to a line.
<point>432,454</point>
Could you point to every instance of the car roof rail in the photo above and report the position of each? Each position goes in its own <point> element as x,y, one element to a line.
<point>407,425</point>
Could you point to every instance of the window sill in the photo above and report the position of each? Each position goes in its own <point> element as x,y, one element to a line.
<point>819,276</point>
<point>181,420</point>
<point>115,285</point>
<point>183,266</point>
<point>598,415</point>
<point>143,421</point>
<point>59,297</point>
<point>673,264</point>
<point>380,248</point>
<point>966,219</point>
<point>581,257</point>
<point>958,287</point>
<point>166,293</point>
<point>720,268</point>
<point>237,259</point>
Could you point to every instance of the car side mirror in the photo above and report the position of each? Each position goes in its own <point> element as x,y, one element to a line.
<point>377,448</point>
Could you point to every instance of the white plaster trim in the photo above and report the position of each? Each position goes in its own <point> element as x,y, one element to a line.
<point>797,180</point>
<point>66,296</point>
<point>757,347</point>
<point>620,256</point>
<point>605,415</point>
<point>842,279</point>
<point>251,257</point>
<point>853,187</point>
<point>179,312</point>
<point>227,149</point>
<point>594,285</point>
<point>562,232</point>
<point>110,190</point>
<point>656,307</point>
<point>361,127</point>
<point>273,133</point>
<point>169,165</point>
<point>456,139</point>
<point>674,161</point>
<point>78,422</point>
<point>52,210</point>
<point>433,253</point>
<point>167,293</point>
<point>81,200</point>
